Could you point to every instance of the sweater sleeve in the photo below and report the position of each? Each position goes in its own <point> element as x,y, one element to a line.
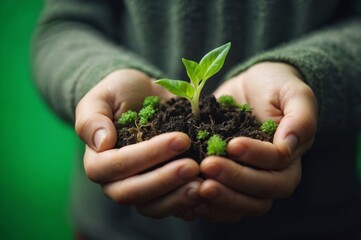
<point>330,62</point>
<point>74,48</point>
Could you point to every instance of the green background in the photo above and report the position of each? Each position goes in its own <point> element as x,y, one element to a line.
<point>35,170</point>
<point>36,149</point>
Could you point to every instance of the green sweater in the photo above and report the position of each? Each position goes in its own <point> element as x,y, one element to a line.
<point>77,43</point>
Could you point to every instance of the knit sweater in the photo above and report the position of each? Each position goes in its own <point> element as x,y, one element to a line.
<point>77,43</point>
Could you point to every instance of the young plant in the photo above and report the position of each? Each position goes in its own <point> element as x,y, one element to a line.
<point>153,101</point>
<point>245,108</point>
<point>216,146</point>
<point>146,114</point>
<point>202,135</point>
<point>198,74</point>
<point>269,126</point>
<point>128,118</point>
<point>227,100</point>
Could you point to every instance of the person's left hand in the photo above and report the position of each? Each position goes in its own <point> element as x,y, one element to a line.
<point>259,172</point>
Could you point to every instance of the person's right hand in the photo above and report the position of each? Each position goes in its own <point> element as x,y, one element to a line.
<point>165,191</point>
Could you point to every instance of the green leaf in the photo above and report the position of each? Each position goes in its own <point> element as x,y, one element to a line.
<point>192,71</point>
<point>177,87</point>
<point>213,61</point>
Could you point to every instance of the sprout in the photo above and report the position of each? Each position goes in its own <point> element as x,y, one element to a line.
<point>269,126</point>
<point>153,101</point>
<point>127,118</point>
<point>227,100</point>
<point>216,146</point>
<point>245,108</point>
<point>146,114</point>
<point>198,74</point>
<point>202,135</point>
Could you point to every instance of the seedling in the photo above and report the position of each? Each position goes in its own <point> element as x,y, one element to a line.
<point>198,74</point>
<point>127,118</point>
<point>146,114</point>
<point>227,100</point>
<point>245,107</point>
<point>153,101</point>
<point>150,106</point>
<point>202,135</point>
<point>269,126</point>
<point>216,146</point>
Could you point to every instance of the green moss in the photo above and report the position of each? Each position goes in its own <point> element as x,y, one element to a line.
<point>153,101</point>
<point>202,135</point>
<point>269,126</point>
<point>216,146</point>
<point>146,114</point>
<point>128,118</point>
<point>245,108</point>
<point>227,100</point>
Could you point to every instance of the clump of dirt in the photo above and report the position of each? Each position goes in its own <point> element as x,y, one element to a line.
<point>176,115</point>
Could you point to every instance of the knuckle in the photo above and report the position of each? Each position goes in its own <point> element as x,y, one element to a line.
<point>119,196</point>
<point>162,179</point>
<point>120,167</point>
<point>91,170</point>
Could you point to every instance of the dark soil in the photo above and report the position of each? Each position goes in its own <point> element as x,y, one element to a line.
<point>175,115</point>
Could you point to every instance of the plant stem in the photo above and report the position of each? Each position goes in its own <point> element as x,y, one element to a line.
<point>195,102</point>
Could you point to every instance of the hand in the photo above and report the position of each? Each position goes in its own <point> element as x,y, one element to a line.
<point>165,191</point>
<point>260,171</point>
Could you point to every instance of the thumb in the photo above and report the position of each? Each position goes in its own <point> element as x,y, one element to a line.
<point>94,123</point>
<point>297,128</point>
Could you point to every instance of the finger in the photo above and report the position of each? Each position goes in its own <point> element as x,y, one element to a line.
<point>259,154</point>
<point>118,92</point>
<point>116,164</point>
<point>230,202</point>
<point>180,200</point>
<point>94,124</point>
<point>298,126</point>
<point>141,188</point>
<point>265,184</point>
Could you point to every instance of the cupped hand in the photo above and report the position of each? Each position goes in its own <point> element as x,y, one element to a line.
<point>122,173</point>
<point>259,172</point>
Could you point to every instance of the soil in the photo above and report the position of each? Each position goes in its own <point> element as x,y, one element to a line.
<point>175,115</point>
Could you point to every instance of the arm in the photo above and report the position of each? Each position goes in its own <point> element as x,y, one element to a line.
<point>89,79</point>
<point>75,47</point>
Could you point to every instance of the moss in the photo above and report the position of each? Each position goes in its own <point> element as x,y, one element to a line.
<point>227,100</point>
<point>146,114</point>
<point>128,118</point>
<point>202,135</point>
<point>245,108</point>
<point>153,101</point>
<point>269,126</point>
<point>216,146</point>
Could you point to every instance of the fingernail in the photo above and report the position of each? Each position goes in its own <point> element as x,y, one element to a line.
<point>187,172</point>
<point>99,137</point>
<point>179,145</point>
<point>292,142</point>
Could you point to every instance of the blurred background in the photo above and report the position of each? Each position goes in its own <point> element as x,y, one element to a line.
<point>36,149</point>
